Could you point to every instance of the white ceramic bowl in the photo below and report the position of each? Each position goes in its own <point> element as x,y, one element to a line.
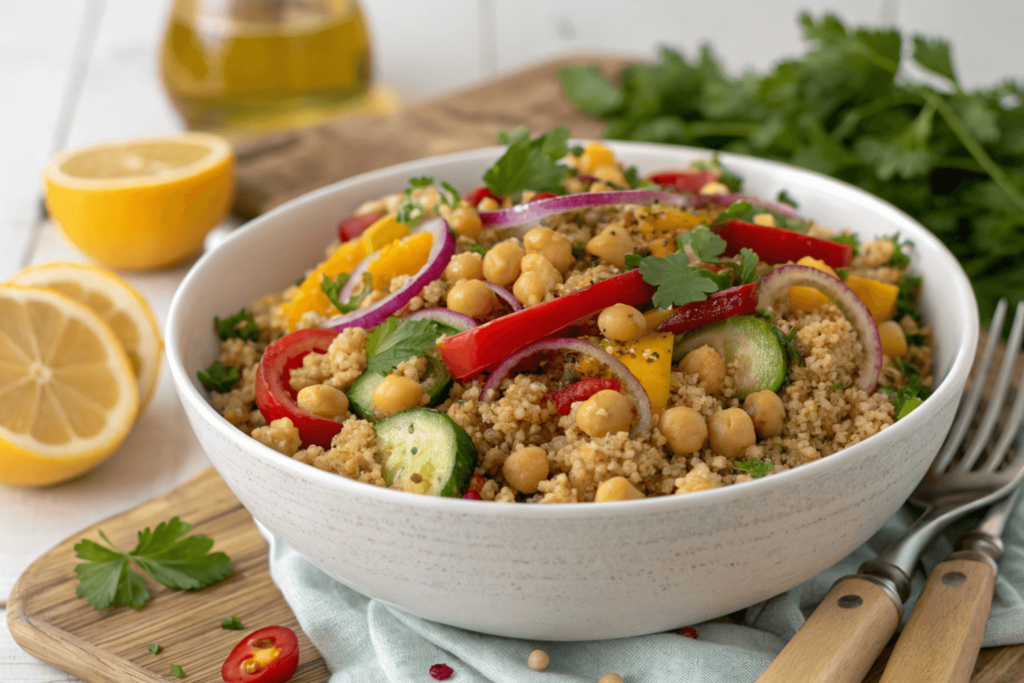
<point>569,572</point>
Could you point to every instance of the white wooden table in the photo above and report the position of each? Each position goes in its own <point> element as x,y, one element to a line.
<point>78,71</point>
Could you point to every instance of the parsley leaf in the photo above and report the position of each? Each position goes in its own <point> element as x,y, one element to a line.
<point>906,299</point>
<point>899,259</point>
<point>586,88</point>
<point>843,273</point>
<point>177,671</point>
<point>530,164</point>
<point>678,284</point>
<point>449,197</point>
<point>735,210</point>
<point>633,260</point>
<point>240,325</point>
<point>395,341</point>
<point>478,249</point>
<point>219,377</point>
<point>332,288</point>
<point>409,212</point>
<point>748,266</point>
<point>154,648</point>
<point>705,244</point>
<point>784,198</point>
<point>933,54</point>
<point>839,385</point>
<point>231,624</point>
<point>106,578</point>
<point>908,397</point>
<point>756,468</point>
<point>848,238</point>
<point>789,348</point>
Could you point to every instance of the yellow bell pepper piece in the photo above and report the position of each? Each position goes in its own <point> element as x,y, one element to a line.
<point>649,358</point>
<point>807,299</point>
<point>894,341</point>
<point>310,297</point>
<point>655,316</point>
<point>879,297</point>
<point>404,257</point>
<point>595,155</point>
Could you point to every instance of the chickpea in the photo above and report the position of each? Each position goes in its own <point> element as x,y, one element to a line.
<point>600,186</point>
<point>539,263</point>
<point>610,678</point>
<point>323,401</point>
<point>467,266</point>
<point>611,245</point>
<point>502,263</point>
<point>685,430</point>
<point>614,489</point>
<point>488,204</point>
<point>715,187</point>
<point>610,173</point>
<point>765,219</point>
<point>526,468</point>
<point>731,432</point>
<point>472,298</point>
<point>708,365</point>
<point>465,221</point>
<point>555,247</point>
<point>531,287</point>
<point>538,660</point>
<point>766,411</point>
<point>606,412</point>
<point>397,393</point>
<point>622,323</point>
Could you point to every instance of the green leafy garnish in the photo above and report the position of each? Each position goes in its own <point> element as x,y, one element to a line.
<point>332,288</point>
<point>784,198</point>
<point>477,249</point>
<point>843,273</point>
<point>789,348</point>
<point>907,397</point>
<point>730,180</point>
<point>633,260</point>
<point>899,259</point>
<point>219,377</point>
<point>706,245</point>
<point>678,283</point>
<point>395,341</point>
<point>177,671</point>
<point>737,210</point>
<point>231,624</point>
<point>906,299</point>
<point>756,468</point>
<point>409,211</point>
<point>154,648</point>
<point>848,238</point>
<point>106,578</point>
<point>839,385</point>
<point>748,266</point>
<point>529,164</point>
<point>449,196</point>
<point>240,325</point>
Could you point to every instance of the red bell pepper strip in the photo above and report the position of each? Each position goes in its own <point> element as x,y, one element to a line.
<point>776,245</point>
<point>740,300</point>
<point>353,226</point>
<point>542,195</point>
<point>581,391</point>
<point>275,396</point>
<point>469,352</point>
<point>476,195</point>
<point>686,181</point>
<point>268,655</point>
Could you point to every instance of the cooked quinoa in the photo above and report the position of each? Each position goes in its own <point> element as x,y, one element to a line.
<point>817,410</point>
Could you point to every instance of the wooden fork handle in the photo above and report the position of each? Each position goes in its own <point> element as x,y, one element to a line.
<point>841,639</point>
<point>941,640</point>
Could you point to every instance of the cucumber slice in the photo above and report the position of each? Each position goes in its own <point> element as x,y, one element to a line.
<point>426,452</point>
<point>747,340</point>
<point>436,383</point>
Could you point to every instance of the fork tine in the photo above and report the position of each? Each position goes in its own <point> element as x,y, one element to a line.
<point>998,397</point>
<point>965,415</point>
<point>1008,432</point>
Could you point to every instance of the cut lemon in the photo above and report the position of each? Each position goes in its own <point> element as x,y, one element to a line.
<point>120,306</point>
<point>141,203</point>
<point>67,392</point>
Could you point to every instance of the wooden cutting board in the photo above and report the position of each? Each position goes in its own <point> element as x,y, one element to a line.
<point>51,623</point>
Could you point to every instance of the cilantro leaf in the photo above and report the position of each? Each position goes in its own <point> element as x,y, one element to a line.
<point>449,197</point>
<point>706,245</point>
<point>177,671</point>
<point>784,198</point>
<point>332,288</point>
<point>395,341</point>
<point>154,648</point>
<point>633,260</point>
<point>748,266</point>
<point>231,624</point>
<point>933,54</point>
<point>530,164</point>
<point>722,278</point>
<point>678,284</point>
<point>586,87</point>
<point>240,325</point>
<point>756,467</point>
<point>735,210</point>
<point>219,377</point>
<point>106,578</point>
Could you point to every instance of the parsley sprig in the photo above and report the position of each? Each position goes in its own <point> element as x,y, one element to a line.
<point>756,467</point>
<point>708,247</point>
<point>106,577</point>
<point>240,325</point>
<point>396,340</point>
<point>219,377</point>
<point>409,211</point>
<point>530,164</point>
<point>678,283</point>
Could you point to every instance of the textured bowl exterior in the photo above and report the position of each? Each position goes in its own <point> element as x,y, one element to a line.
<point>570,572</point>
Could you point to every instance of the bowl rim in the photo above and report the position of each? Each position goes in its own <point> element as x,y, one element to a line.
<point>956,376</point>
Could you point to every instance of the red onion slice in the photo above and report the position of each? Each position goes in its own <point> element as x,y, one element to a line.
<point>452,319</point>
<point>505,296</point>
<point>528,215</point>
<point>356,277</point>
<point>732,198</point>
<point>620,371</point>
<point>777,283</point>
<point>441,249</point>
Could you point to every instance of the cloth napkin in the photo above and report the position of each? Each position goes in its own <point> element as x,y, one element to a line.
<point>365,641</point>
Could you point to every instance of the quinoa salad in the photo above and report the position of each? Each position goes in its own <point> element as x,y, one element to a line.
<point>572,331</point>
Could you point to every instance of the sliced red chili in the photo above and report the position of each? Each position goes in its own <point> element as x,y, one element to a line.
<point>581,391</point>
<point>686,181</point>
<point>477,194</point>
<point>777,245</point>
<point>467,353</point>
<point>269,655</point>
<point>740,300</point>
<point>274,395</point>
<point>353,226</point>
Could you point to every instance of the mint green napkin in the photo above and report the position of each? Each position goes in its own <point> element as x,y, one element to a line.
<point>365,641</point>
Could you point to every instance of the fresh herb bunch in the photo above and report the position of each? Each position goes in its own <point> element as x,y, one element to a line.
<point>952,158</point>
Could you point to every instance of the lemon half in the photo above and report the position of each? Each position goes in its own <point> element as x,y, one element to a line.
<point>141,203</point>
<point>68,397</point>
<point>118,303</point>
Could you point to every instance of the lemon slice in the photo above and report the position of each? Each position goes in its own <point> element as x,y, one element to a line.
<point>144,203</point>
<point>67,392</point>
<point>120,306</point>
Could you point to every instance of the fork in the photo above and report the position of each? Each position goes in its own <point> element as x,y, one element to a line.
<point>845,634</point>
